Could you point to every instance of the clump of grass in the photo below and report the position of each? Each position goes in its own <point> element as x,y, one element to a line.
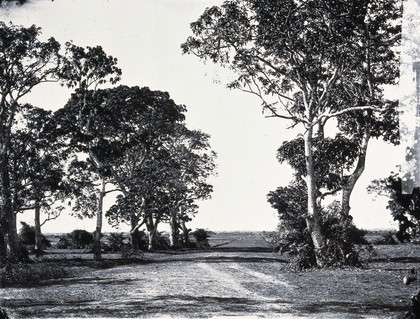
<point>30,274</point>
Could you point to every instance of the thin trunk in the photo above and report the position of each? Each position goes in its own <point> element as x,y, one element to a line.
<point>350,182</point>
<point>38,235</point>
<point>186,233</point>
<point>135,226</point>
<point>151,233</point>
<point>152,226</point>
<point>174,238</point>
<point>313,221</point>
<point>97,254</point>
<point>134,232</point>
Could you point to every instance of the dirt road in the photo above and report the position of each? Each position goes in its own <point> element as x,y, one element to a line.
<point>201,284</point>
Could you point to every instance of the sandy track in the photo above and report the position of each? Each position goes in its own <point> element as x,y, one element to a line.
<point>204,284</point>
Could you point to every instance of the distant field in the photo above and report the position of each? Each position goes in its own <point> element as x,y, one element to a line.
<point>218,282</point>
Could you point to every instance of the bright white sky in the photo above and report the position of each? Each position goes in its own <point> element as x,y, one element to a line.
<point>145,36</point>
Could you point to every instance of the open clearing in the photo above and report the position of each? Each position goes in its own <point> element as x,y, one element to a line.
<point>239,276</point>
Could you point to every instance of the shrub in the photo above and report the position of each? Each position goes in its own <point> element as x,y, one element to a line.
<point>201,236</point>
<point>80,239</point>
<point>343,242</point>
<point>30,274</point>
<point>116,242</point>
<point>27,236</point>
<point>63,243</point>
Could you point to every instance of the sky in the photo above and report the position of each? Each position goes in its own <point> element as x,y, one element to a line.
<point>145,36</point>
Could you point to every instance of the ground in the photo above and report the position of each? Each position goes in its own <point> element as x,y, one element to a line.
<point>238,277</point>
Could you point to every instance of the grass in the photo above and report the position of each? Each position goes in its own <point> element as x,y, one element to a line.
<point>30,274</point>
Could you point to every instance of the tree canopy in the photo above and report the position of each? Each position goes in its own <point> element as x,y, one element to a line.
<point>308,61</point>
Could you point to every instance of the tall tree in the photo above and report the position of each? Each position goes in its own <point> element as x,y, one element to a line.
<point>148,120</point>
<point>310,56</point>
<point>25,62</point>
<point>36,167</point>
<point>85,69</point>
<point>193,165</point>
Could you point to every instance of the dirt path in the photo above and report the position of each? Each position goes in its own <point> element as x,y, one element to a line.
<point>208,284</point>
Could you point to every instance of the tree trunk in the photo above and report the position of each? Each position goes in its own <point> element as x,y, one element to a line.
<point>134,220</point>
<point>97,235</point>
<point>174,238</point>
<point>38,235</point>
<point>8,219</point>
<point>152,233</point>
<point>313,221</point>
<point>186,232</point>
<point>350,182</point>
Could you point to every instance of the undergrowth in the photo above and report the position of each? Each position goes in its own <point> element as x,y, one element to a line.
<point>30,274</point>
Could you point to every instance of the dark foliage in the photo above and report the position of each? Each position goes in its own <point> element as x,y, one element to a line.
<point>342,240</point>
<point>30,274</point>
<point>63,243</point>
<point>18,2</point>
<point>3,314</point>
<point>405,208</point>
<point>80,239</point>
<point>414,308</point>
<point>201,236</point>
<point>27,236</point>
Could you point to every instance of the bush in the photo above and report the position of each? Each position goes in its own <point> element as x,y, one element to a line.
<point>201,237</point>
<point>63,243</point>
<point>27,236</point>
<point>80,239</point>
<point>343,243</point>
<point>117,243</point>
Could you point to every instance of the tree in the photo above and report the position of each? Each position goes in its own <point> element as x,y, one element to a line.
<point>36,167</point>
<point>194,163</point>
<point>312,57</point>
<point>405,208</point>
<point>25,62</point>
<point>147,121</point>
<point>85,69</point>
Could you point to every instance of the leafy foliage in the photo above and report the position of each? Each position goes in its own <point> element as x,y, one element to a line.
<point>294,238</point>
<point>25,62</point>
<point>27,236</point>
<point>309,62</point>
<point>80,238</point>
<point>201,236</point>
<point>404,208</point>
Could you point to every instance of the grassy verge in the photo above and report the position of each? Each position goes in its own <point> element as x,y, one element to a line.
<point>30,274</point>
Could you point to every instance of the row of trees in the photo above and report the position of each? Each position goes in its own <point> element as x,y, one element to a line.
<point>128,140</point>
<point>312,63</point>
